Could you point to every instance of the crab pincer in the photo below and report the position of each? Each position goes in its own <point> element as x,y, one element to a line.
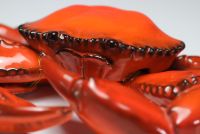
<point>97,102</point>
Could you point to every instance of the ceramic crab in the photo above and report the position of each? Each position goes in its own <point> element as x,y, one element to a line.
<point>119,71</point>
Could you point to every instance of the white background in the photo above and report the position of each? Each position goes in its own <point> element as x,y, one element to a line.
<point>178,18</point>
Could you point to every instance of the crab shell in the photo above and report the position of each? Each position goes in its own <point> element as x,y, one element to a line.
<point>104,42</point>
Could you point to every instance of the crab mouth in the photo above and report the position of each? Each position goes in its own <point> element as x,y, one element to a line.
<point>101,58</point>
<point>104,60</point>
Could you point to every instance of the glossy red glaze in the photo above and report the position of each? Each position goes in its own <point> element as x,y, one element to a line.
<point>18,63</point>
<point>81,45</point>
<point>85,50</point>
<point>19,115</point>
<point>187,62</point>
<point>98,103</point>
<point>11,34</point>
<point>185,111</point>
<point>121,68</point>
<point>99,22</point>
<point>20,88</point>
<point>25,119</point>
<point>105,22</point>
<point>161,90</point>
<point>8,99</point>
<point>174,77</point>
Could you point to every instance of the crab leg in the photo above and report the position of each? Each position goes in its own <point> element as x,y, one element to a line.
<point>185,111</point>
<point>165,86</point>
<point>8,99</point>
<point>18,115</point>
<point>185,62</point>
<point>27,119</point>
<point>11,34</point>
<point>105,106</point>
<point>161,87</point>
<point>19,89</point>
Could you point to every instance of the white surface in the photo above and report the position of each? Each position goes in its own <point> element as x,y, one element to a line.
<point>180,19</point>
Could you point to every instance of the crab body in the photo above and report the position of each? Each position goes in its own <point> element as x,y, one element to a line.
<point>118,70</point>
<point>101,38</point>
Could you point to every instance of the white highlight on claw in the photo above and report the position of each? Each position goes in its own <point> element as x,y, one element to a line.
<point>196,122</point>
<point>123,106</point>
<point>3,31</point>
<point>161,131</point>
<point>5,44</point>
<point>18,58</point>
<point>190,60</point>
<point>183,114</point>
<point>36,109</point>
<point>93,87</point>
<point>67,77</point>
<point>195,63</point>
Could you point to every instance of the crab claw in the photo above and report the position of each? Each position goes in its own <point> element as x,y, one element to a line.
<point>8,99</point>
<point>11,34</point>
<point>165,86</point>
<point>185,111</point>
<point>18,63</point>
<point>117,109</point>
<point>185,62</point>
<point>19,67</point>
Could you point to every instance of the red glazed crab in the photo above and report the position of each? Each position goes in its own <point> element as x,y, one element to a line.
<point>19,72</point>
<point>119,71</point>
